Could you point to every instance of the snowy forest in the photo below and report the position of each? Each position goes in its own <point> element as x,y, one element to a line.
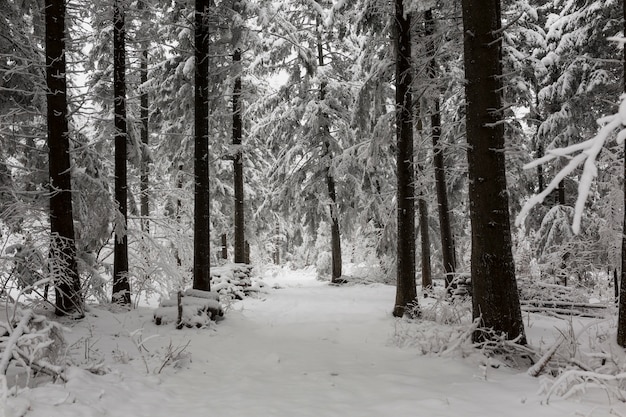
<point>312,207</point>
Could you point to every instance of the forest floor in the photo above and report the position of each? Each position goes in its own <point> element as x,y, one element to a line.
<point>301,348</point>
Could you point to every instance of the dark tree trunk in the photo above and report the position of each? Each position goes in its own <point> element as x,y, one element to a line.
<point>445,228</point>
<point>240,255</point>
<point>224,247</point>
<point>335,236</point>
<point>121,285</point>
<point>277,245</point>
<point>201,243</point>
<point>495,296</point>
<point>540,180</point>
<point>561,193</point>
<point>621,320</point>
<point>145,141</point>
<point>427,279</point>
<point>406,293</point>
<point>62,246</point>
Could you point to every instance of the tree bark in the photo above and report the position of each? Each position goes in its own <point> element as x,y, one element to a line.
<point>201,242</point>
<point>240,255</point>
<point>121,285</point>
<point>495,296</point>
<point>63,265</point>
<point>335,235</point>
<point>145,139</point>
<point>406,293</point>
<point>427,276</point>
<point>621,320</point>
<point>445,229</point>
<point>224,247</point>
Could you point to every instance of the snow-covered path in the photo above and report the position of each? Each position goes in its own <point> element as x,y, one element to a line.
<point>304,349</point>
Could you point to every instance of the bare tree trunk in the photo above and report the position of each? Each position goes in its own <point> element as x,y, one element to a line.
<point>335,235</point>
<point>277,245</point>
<point>540,180</point>
<point>427,276</point>
<point>63,247</point>
<point>495,296</point>
<point>443,208</point>
<point>239,237</point>
<point>201,241</point>
<point>224,247</point>
<point>621,321</point>
<point>145,141</point>
<point>121,285</point>
<point>406,293</point>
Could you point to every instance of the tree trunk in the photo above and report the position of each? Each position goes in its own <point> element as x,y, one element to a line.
<point>145,141</point>
<point>240,238</point>
<point>335,236</point>
<point>495,296</point>
<point>621,320</point>
<point>201,241</point>
<point>540,180</point>
<point>277,245</point>
<point>121,285</point>
<point>427,278</point>
<point>63,265</point>
<point>445,228</point>
<point>406,293</point>
<point>224,247</point>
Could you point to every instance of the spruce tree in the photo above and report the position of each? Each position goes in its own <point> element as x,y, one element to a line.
<point>63,248</point>
<point>495,298</point>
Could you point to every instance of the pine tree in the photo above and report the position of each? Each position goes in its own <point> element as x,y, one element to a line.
<point>443,208</point>
<point>621,320</point>
<point>145,138</point>
<point>121,285</point>
<point>406,292</point>
<point>201,242</point>
<point>63,250</point>
<point>495,297</point>
<point>239,220</point>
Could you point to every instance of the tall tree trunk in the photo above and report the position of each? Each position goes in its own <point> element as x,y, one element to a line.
<point>335,235</point>
<point>201,241</point>
<point>63,247</point>
<point>621,320</point>
<point>495,296</point>
<point>406,293</point>
<point>145,141</point>
<point>240,251</point>
<point>445,228</point>
<point>427,276</point>
<point>121,285</point>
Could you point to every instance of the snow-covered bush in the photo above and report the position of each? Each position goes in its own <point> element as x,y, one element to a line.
<point>234,281</point>
<point>31,341</point>
<point>583,360</point>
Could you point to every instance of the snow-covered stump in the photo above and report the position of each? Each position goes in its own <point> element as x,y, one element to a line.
<point>235,281</point>
<point>196,308</point>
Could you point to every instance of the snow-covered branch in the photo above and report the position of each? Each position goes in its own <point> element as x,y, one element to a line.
<point>589,151</point>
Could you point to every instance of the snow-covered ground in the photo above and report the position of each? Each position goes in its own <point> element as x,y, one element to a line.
<point>303,348</point>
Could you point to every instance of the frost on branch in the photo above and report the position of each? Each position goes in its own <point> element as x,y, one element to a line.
<point>30,341</point>
<point>589,151</point>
